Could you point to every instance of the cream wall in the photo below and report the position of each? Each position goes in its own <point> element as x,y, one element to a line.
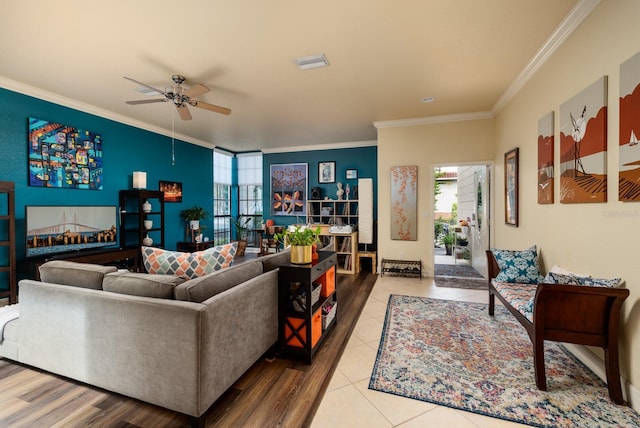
<point>599,239</point>
<point>425,146</point>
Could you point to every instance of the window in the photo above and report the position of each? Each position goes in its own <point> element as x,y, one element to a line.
<point>222,169</point>
<point>250,190</point>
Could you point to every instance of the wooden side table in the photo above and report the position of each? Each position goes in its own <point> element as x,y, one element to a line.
<point>367,255</point>
<point>190,247</point>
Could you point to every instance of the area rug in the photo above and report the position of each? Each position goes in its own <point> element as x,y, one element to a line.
<point>454,354</point>
<point>463,271</point>
<point>453,282</point>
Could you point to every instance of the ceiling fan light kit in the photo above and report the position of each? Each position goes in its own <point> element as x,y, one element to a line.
<point>180,96</point>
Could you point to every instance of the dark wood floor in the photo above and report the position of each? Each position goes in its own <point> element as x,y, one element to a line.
<point>280,392</point>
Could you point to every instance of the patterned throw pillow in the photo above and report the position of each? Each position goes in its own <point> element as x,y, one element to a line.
<point>556,278</point>
<point>600,282</point>
<point>518,266</point>
<point>560,279</point>
<point>190,265</point>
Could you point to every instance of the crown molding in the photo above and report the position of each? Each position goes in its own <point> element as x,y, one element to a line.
<point>52,97</point>
<point>329,146</point>
<point>576,16</point>
<point>433,119</point>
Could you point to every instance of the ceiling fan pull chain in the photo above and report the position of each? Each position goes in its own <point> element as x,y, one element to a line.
<point>173,142</point>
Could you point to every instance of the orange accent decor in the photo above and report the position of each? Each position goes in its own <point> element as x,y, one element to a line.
<point>328,281</point>
<point>295,330</point>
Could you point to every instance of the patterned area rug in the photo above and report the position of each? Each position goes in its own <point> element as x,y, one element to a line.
<point>454,354</point>
<point>462,271</point>
<point>469,283</point>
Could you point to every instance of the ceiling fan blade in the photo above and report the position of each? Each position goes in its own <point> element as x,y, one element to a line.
<point>210,107</point>
<point>196,90</point>
<point>184,112</point>
<point>145,85</point>
<point>162,100</point>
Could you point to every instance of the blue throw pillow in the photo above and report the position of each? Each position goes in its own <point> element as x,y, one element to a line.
<point>600,282</point>
<point>518,266</point>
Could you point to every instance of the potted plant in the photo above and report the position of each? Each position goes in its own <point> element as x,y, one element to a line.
<point>448,242</point>
<point>301,239</point>
<point>193,216</point>
<point>242,231</point>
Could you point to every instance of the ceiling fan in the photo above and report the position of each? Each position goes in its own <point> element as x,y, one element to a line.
<point>181,97</point>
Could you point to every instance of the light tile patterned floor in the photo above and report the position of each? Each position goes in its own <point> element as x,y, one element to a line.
<point>349,403</point>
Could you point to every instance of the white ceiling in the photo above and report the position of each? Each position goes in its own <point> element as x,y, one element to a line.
<point>384,55</point>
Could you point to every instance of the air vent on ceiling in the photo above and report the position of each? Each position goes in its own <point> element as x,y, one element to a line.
<point>314,61</point>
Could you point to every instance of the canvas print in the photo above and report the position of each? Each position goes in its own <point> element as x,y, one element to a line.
<point>583,146</point>
<point>404,209</point>
<point>629,149</point>
<point>64,156</point>
<point>545,159</point>
<point>289,189</point>
<point>172,190</point>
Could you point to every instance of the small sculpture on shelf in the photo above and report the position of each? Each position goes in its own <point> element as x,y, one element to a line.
<point>340,191</point>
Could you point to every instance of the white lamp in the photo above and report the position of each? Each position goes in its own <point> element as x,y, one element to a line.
<point>139,180</point>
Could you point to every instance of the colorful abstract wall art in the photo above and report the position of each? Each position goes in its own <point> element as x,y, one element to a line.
<point>404,208</point>
<point>545,159</point>
<point>583,146</point>
<point>629,149</point>
<point>63,156</point>
<point>289,189</point>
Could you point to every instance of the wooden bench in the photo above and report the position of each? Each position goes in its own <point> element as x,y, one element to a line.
<point>578,314</point>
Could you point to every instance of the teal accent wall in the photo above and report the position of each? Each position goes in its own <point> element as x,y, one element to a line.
<point>126,149</point>
<point>364,159</point>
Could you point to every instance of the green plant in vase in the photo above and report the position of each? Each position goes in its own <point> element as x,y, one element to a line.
<point>301,239</point>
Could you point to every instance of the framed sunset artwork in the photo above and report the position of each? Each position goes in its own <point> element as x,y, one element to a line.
<point>629,149</point>
<point>583,145</point>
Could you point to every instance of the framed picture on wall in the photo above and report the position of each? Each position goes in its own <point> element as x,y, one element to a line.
<point>172,190</point>
<point>352,174</point>
<point>326,172</point>
<point>511,187</point>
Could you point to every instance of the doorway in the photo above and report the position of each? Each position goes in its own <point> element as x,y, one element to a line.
<point>461,219</point>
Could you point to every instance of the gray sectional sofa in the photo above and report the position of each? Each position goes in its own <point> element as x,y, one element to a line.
<point>176,344</point>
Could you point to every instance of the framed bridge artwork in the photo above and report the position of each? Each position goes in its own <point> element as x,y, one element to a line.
<point>583,145</point>
<point>629,149</point>
<point>64,156</point>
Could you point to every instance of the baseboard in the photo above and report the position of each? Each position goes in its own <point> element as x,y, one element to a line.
<point>631,393</point>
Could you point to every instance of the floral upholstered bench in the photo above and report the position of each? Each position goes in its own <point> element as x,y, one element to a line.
<point>559,307</point>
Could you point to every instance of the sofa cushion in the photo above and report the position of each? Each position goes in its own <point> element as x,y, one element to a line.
<point>142,284</point>
<point>518,266</point>
<point>204,287</point>
<point>84,275</point>
<point>190,265</point>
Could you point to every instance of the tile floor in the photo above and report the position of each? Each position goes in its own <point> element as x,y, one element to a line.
<point>349,403</point>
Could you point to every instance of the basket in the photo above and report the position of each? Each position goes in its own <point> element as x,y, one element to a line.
<point>328,317</point>
<point>315,294</point>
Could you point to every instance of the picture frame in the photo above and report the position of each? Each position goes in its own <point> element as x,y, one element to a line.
<point>352,174</point>
<point>172,190</point>
<point>327,172</point>
<point>289,184</point>
<point>511,188</point>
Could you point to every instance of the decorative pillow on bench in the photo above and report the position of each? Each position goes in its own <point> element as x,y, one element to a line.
<point>190,265</point>
<point>562,279</point>
<point>518,266</point>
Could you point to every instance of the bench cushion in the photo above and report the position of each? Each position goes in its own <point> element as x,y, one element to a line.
<point>519,296</point>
